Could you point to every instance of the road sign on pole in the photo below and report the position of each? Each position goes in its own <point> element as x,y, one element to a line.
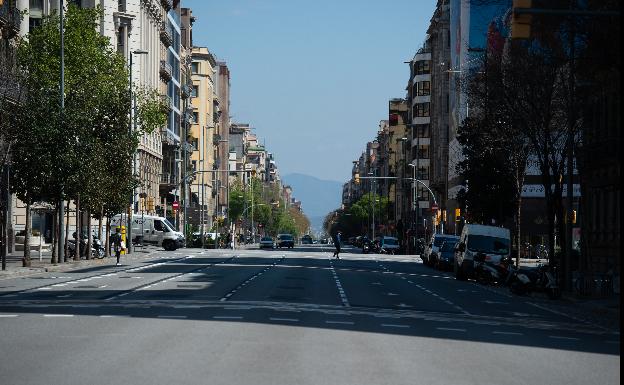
<point>175,205</point>
<point>434,207</point>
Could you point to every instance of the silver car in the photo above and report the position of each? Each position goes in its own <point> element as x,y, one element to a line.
<point>267,243</point>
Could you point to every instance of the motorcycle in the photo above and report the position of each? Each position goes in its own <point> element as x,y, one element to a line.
<point>484,272</point>
<point>365,248</point>
<point>543,279</point>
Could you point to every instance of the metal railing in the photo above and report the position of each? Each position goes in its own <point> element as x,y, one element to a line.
<point>165,69</point>
<point>166,35</point>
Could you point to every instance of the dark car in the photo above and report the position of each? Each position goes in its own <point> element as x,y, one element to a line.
<point>444,258</point>
<point>285,240</point>
<point>306,240</point>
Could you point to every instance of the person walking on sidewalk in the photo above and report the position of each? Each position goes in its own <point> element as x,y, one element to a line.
<point>336,240</point>
<point>118,244</point>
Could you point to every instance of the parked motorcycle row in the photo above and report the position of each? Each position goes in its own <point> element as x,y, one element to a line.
<point>520,281</point>
<point>97,246</point>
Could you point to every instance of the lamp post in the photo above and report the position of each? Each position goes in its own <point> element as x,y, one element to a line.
<point>374,197</point>
<point>131,129</point>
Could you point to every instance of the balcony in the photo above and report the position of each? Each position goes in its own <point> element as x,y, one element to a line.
<point>168,179</point>
<point>215,139</point>
<point>188,116</point>
<point>165,101</point>
<point>10,19</point>
<point>166,35</point>
<point>186,91</point>
<point>167,137</point>
<point>167,4</point>
<point>165,70</point>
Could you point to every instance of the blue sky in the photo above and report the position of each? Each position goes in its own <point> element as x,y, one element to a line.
<point>313,77</point>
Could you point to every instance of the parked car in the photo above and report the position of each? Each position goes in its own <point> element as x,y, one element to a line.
<point>434,246</point>
<point>267,243</point>
<point>306,240</point>
<point>285,240</point>
<point>445,256</point>
<point>389,245</point>
<point>493,243</point>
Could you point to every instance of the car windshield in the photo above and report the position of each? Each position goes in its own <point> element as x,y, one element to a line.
<point>486,244</point>
<point>448,246</point>
<point>390,241</point>
<point>267,239</point>
<point>286,237</point>
<point>438,241</point>
<point>171,227</point>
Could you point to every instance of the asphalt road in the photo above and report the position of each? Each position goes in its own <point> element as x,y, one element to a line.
<point>287,317</point>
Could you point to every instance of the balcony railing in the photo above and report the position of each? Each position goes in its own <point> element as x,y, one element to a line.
<point>11,18</point>
<point>167,178</point>
<point>165,100</point>
<point>167,4</point>
<point>165,70</point>
<point>186,90</point>
<point>166,35</point>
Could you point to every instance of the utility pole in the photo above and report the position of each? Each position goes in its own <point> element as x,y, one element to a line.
<point>61,213</point>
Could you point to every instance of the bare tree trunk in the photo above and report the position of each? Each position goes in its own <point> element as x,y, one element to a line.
<point>89,235</point>
<point>78,253</point>
<point>100,223</point>
<point>26,259</point>
<point>65,257</point>
<point>54,259</point>
<point>107,241</point>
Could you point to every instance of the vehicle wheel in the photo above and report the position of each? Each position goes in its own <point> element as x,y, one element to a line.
<point>460,275</point>
<point>168,246</point>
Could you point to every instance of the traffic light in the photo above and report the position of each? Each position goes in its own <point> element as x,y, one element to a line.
<point>457,214</point>
<point>444,215</point>
<point>574,217</point>
<point>357,178</point>
<point>253,172</point>
<point>521,22</point>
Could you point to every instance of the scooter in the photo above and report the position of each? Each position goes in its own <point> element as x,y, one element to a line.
<point>484,273</point>
<point>365,248</point>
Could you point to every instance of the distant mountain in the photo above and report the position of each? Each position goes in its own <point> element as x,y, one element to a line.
<point>318,197</point>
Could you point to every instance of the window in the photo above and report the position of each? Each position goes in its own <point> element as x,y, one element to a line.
<point>423,152</point>
<point>422,67</point>
<point>423,173</point>
<point>194,91</point>
<point>195,67</point>
<point>423,88</point>
<point>422,131</point>
<point>421,110</point>
<point>195,117</point>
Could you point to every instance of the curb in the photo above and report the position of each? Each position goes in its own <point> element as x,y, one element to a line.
<point>20,271</point>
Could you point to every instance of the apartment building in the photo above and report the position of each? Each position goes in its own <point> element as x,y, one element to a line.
<point>419,104</point>
<point>202,136</point>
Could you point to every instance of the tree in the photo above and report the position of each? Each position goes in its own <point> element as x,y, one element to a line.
<point>84,151</point>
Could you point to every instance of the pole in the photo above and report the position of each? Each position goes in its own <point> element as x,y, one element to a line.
<point>570,161</point>
<point>374,199</point>
<point>61,238</point>
<point>129,223</point>
<point>416,203</point>
<point>253,232</point>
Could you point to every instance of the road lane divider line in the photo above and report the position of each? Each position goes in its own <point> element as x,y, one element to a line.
<point>9,315</point>
<point>248,280</point>
<point>284,319</point>
<point>341,292</point>
<point>564,338</point>
<point>172,316</point>
<point>395,326</point>
<point>227,317</point>
<point>340,322</point>
<point>452,329</point>
<point>57,315</point>
<point>508,333</point>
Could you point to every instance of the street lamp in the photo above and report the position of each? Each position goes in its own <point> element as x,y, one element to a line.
<point>131,129</point>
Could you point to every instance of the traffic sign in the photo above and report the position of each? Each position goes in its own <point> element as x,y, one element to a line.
<point>434,207</point>
<point>175,205</point>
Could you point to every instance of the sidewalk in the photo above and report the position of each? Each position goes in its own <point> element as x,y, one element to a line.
<point>15,268</point>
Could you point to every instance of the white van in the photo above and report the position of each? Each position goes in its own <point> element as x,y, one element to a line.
<point>494,242</point>
<point>155,230</point>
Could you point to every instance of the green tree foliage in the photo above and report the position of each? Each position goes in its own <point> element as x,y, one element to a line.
<point>87,148</point>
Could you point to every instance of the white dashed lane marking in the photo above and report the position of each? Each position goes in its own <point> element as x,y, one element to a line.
<point>8,315</point>
<point>508,333</point>
<point>340,322</point>
<point>564,338</point>
<point>452,329</point>
<point>284,319</point>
